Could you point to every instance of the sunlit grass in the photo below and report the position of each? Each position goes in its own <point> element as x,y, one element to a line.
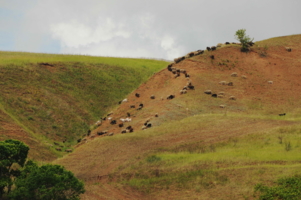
<point>65,99</point>
<point>22,58</point>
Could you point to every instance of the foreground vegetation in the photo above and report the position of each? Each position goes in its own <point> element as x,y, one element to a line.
<point>24,179</point>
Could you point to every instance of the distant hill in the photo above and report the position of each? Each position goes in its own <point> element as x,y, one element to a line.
<point>198,145</point>
<point>46,98</point>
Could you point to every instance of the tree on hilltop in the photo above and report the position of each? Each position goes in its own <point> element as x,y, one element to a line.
<point>244,39</point>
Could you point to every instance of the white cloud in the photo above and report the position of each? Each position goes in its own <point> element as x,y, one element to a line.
<point>75,34</point>
<point>160,29</point>
<point>167,42</point>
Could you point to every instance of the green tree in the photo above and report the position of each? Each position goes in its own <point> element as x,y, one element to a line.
<point>12,154</point>
<point>244,39</point>
<point>48,182</point>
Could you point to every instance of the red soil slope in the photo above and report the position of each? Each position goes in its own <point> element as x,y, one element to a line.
<point>281,67</point>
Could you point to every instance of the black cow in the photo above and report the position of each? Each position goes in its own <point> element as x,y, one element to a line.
<point>191,87</point>
<point>171,96</point>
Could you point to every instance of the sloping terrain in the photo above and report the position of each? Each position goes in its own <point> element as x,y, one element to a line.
<point>199,146</point>
<point>57,98</point>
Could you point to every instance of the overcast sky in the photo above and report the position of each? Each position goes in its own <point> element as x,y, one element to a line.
<point>139,28</point>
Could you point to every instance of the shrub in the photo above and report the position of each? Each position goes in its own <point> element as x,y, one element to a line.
<point>244,39</point>
<point>286,189</point>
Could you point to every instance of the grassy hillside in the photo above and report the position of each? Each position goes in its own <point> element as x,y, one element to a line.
<point>195,149</point>
<point>59,97</point>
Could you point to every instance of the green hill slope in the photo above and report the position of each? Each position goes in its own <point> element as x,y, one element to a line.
<point>58,97</point>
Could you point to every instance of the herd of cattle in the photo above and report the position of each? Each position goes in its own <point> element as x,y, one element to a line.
<point>189,86</point>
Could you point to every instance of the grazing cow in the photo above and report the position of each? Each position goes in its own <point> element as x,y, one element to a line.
<point>98,123</point>
<point>198,52</point>
<point>68,150</point>
<point>222,106</point>
<point>214,95</point>
<point>227,43</point>
<point>55,143</point>
<point>191,87</point>
<point>89,132</point>
<point>79,140</point>
<point>230,83</point>
<point>153,97</point>
<point>113,122</point>
<point>270,82</point>
<point>132,106</point>
<point>212,57</point>
<point>177,60</point>
<point>223,83</point>
<point>183,91</point>
<point>288,49</point>
<point>169,67</point>
<point>251,43</point>
<point>120,125</point>
<point>137,95</point>
<point>213,48</point>
<point>189,55</point>
<point>171,96</point>
<point>283,114</point>
<point>110,134</point>
<point>207,92</point>
<point>102,132</point>
<point>128,114</point>
<point>232,98</point>
<point>208,48</point>
<point>127,119</point>
<point>234,74</point>
<point>58,149</point>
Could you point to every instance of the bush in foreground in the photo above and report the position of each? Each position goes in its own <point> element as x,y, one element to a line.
<point>48,182</point>
<point>286,189</point>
